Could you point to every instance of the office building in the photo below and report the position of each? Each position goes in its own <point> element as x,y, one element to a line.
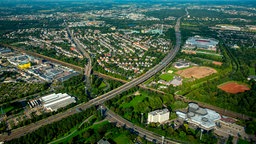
<point>158,116</point>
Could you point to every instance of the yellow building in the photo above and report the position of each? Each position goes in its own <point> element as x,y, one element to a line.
<point>24,65</point>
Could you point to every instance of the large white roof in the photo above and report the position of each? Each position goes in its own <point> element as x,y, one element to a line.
<point>207,120</point>
<point>56,101</point>
<point>159,112</point>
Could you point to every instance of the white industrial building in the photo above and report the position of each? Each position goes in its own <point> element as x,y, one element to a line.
<point>202,117</point>
<point>54,101</point>
<point>159,116</point>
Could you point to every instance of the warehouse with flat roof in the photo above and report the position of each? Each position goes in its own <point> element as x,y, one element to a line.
<point>54,101</point>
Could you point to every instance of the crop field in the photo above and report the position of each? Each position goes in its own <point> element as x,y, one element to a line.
<point>196,72</point>
<point>102,85</point>
<point>233,87</point>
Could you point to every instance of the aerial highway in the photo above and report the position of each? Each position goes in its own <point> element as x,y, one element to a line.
<point>100,99</point>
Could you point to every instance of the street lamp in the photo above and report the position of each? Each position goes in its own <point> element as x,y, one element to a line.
<point>101,110</point>
<point>201,134</point>
<point>141,117</point>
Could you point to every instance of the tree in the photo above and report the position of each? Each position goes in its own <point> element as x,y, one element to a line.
<point>251,127</point>
<point>182,135</point>
<point>230,139</point>
<point>170,130</point>
<point>86,134</point>
<point>2,126</point>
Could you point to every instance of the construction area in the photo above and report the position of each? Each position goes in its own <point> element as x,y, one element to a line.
<point>196,72</point>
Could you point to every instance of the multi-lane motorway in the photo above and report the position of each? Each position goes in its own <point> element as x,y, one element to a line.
<point>101,99</point>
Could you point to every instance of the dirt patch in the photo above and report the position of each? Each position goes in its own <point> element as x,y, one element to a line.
<point>189,51</point>
<point>137,93</point>
<point>196,72</point>
<point>233,87</point>
<point>217,63</point>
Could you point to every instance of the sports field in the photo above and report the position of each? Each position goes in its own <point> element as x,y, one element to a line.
<point>196,72</point>
<point>166,76</point>
<point>233,87</point>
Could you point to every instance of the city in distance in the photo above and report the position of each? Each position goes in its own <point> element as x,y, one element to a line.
<point>127,71</point>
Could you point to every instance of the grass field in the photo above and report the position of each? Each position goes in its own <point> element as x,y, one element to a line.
<point>252,71</point>
<point>172,68</point>
<point>135,101</point>
<point>99,125</point>
<point>7,109</point>
<point>122,139</point>
<point>149,80</point>
<point>102,85</point>
<point>197,85</point>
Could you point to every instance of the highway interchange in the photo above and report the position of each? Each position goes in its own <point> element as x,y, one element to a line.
<point>101,99</point>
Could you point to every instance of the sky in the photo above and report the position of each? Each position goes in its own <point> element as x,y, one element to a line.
<point>114,0</point>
